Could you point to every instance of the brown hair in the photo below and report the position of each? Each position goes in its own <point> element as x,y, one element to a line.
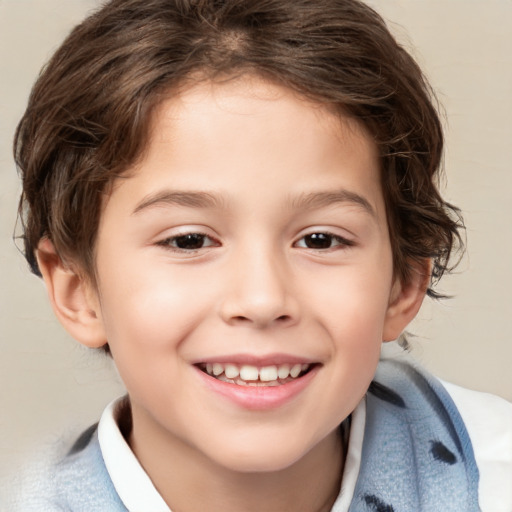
<point>88,115</point>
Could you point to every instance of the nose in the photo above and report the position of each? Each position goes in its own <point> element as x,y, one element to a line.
<point>260,292</point>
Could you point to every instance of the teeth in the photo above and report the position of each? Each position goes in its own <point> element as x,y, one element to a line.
<point>295,370</point>
<point>268,373</point>
<point>251,374</point>
<point>231,371</point>
<point>283,372</point>
<point>217,369</point>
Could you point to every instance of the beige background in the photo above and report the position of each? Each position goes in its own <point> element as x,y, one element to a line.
<point>49,385</point>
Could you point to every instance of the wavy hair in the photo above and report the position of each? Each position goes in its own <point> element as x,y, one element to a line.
<point>89,112</point>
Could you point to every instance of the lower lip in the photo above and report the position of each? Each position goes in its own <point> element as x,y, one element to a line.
<point>258,398</point>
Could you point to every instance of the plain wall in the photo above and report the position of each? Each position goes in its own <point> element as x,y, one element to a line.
<point>50,386</point>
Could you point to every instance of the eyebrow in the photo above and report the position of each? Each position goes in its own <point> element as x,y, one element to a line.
<point>315,200</point>
<point>181,198</point>
<point>312,200</point>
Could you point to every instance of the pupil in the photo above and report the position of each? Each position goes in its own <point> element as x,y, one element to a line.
<point>318,241</point>
<point>190,241</point>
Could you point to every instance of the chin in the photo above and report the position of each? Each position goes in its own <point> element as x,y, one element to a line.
<point>258,464</point>
<point>262,457</point>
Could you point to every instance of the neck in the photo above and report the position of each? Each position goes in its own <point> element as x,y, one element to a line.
<point>189,481</point>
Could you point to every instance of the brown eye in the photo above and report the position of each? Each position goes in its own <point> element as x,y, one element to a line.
<point>318,241</point>
<point>323,241</point>
<point>190,241</point>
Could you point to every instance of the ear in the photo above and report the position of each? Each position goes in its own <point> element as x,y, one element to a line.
<point>73,299</point>
<point>405,300</point>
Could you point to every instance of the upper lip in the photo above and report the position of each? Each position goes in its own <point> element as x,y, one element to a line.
<point>257,360</point>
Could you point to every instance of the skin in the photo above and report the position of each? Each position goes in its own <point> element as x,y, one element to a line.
<point>275,169</point>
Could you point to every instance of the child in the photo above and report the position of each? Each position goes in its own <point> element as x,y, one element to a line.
<point>237,200</point>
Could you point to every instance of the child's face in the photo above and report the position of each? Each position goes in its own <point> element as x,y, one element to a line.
<point>253,233</point>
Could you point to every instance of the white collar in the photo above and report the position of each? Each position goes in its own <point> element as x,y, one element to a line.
<point>131,482</point>
<point>353,459</point>
<point>138,493</point>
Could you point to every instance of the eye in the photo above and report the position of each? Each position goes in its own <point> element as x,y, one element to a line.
<point>188,242</point>
<point>323,241</point>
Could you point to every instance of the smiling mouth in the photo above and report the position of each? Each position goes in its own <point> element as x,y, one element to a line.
<point>249,375</point>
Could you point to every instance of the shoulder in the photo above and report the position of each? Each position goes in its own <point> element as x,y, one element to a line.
<point>481,420</point>
<point>488,420</point>
<point>77,482</point>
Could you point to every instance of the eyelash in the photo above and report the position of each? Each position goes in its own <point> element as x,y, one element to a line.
<point>342,243</point>
<point>167,243</point>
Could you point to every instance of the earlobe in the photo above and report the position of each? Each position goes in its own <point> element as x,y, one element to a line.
<point>72,298</point>
<point>405,301</point>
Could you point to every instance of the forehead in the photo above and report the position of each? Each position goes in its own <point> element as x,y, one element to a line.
<point>249,102</point>
<point>261,137</point>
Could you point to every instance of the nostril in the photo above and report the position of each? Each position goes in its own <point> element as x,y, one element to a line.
<point>282,319</point>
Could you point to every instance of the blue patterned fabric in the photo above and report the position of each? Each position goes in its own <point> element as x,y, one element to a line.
<point>79,483</point>
<point>417,455</point>
<point>82,481</point>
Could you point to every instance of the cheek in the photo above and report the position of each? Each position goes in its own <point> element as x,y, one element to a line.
<point>149,307</point>
<point>355,300</point>
<point>146,323</point>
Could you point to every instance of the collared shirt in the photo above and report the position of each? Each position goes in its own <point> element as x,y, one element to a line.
<point>138,493</point>
<point>488,421</point>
